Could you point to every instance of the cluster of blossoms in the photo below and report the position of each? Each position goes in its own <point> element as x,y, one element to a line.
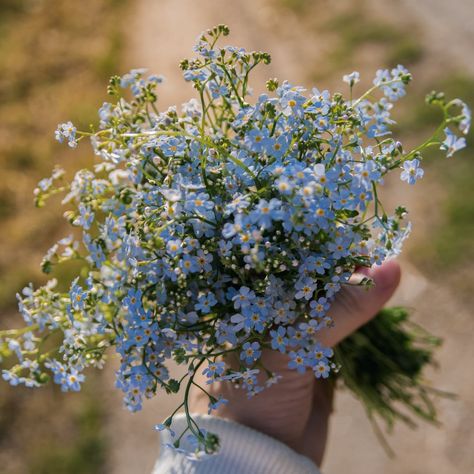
<point>227,226</point>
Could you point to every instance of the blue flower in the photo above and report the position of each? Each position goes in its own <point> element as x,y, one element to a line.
<point>225,333</point>
<point>309,329</point>
<point>199,203</point>
<point>283,312</point>
<point>340,247</point>
<point>249,381</point>
<point>392,83</point>
<point>305,287</point>
<point>202,47</point>
<point>322,353</point>
<point>86,217</point>
<point>251,318</point>
<point>319,307</point>
<point>225,248</point>
<point>370,171</point>
<point>133,301</point>
<point>114,227</point>
<point>96,253</point>
<point>279,341</point>
<point>292,103</point>
<point>321,265</point>
<point>321,369</point>
<point>266,212</point>
<point>67,131</point>
<point>243,298</point>
<point>250,352</point>
<point>214,369</point>
<point>195,75</point>
<point>174,247</point>
<point>216,403</point>
<point>411,171</point>
<point>298,361</point>
<point>217,90</point>
<point>239,203</point>
<point>10,377</point>
<point>319,103</point>
<point>277,147</point>
<point>165,427</point>
<point>173,147</point>
<point>131,77</point>
<point>257,139</point>
<point>73,381</point>
<point>205,302</point>
<point>78,296</point>
<point>382,76</point>
<point>189,264</point>
<point>284,185</point>
<point>465,122</point>
<point>452,143</point>
<point>295,336</point>
<point>352,78</point>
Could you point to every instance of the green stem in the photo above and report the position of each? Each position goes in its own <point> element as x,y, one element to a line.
<point>189,419</point>
<point>237,95</point>
<point>373,89</point>
<point>18,332</point>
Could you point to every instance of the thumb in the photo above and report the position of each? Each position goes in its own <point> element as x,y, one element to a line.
<point>354,306</point>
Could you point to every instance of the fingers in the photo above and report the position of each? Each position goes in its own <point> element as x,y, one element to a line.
<point>280,411</point>
<point>313,442</point>
<point>354,306</point>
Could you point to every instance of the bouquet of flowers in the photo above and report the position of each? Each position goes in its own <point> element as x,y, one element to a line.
<point>228,226</point>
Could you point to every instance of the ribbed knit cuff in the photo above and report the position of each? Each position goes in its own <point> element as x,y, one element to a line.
<point>242,451</point>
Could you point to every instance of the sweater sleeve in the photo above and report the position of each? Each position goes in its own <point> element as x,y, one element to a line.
<point>242,451</point>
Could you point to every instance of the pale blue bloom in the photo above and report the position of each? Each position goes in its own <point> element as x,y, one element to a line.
<point>411,171</point>
<point>250,352</point>
<point>452,143</point>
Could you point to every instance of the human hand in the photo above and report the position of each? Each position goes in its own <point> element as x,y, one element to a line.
<point>296,410</point>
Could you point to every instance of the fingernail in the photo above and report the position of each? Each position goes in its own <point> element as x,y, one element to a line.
<point>387,276</point>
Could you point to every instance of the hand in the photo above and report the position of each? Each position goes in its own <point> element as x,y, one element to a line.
<point>296,410</point>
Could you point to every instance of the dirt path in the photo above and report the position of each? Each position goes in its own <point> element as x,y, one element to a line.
<point>167,32</point>
<point>161,33</point>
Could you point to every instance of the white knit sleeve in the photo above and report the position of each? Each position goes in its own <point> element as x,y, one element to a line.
<point>242,451</point>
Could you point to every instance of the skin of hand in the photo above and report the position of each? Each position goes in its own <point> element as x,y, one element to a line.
<point>296,410</point>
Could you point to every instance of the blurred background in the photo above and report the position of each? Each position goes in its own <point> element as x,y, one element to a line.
<point>55,59</point>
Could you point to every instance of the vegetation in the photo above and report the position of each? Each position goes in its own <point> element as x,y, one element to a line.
<point>451,247</point>
<point>55,59</point>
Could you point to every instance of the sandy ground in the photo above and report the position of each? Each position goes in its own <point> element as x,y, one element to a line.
<point>160,33</point>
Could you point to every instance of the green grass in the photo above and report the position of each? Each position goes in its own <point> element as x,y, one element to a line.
<point>106,64</point>
<point>453,242</point>
<point>86,454</point>
<point>406,51</point>
<point>356,29</point>
<point>55,57</point>
<point>64,79</point>
<point>46,431</point>
<point>450,245</point>
<point>418,116</point>
<point>296,6</point>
